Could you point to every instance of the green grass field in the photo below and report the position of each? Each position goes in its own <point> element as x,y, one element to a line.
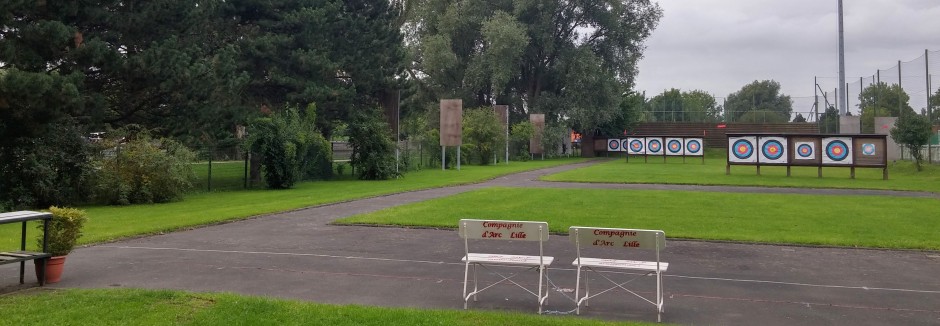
<point>902,174</point>
<point>847,221</point>
<point>114,222</point>
<point>158,307</point>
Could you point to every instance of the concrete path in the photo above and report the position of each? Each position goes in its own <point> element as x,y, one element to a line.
<point>299,255</point>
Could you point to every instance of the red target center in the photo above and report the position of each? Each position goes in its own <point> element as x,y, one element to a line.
<point>837,150</point>
<point>742,149</point>
<point>773,150</point>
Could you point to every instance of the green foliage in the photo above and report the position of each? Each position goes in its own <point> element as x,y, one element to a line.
<point>764,99</point>
<point>65,228</point>
<point>762,116</point>
<point>482,129</point>
<point>290,147</point>
<point>143,170</point>
<point>799,118</point>
<point>912,131</point>
<point>677,106</point>
<point>373,148</point>
<point>553,138</point>
<point>566,59</point>
<point>48,169</point>
<point>934,104</point>
<point>829,121</point>
<point>519,135</point>
<point>338,54</point>
<point>882,100</point>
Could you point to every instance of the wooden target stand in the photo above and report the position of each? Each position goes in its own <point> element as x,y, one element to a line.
<point>810,150</point>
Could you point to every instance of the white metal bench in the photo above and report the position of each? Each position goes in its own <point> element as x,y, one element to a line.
<point>589,237</point>
<point>504,230</point>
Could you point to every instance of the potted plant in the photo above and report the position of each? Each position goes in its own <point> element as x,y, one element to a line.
<point>65,228</point>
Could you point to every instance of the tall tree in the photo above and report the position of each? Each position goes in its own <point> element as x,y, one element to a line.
<point>340,54</point>
<point>534,55</point>
<point>759,101</point>
<point>912,131</point>
<point>882,100</point>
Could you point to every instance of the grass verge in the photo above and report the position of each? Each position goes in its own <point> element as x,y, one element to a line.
<point>113,222</point>
<point>159,307</point>
<point>846,221</point>
<point>902,174</point>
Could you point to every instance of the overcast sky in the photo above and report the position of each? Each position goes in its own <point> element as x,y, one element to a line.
<point>720,45</point>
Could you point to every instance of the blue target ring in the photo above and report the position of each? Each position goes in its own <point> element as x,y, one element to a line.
<point>804,151</point>
<point>694,146</point>
<point>636,145</point>
<point>674,146</point>
<point>613,144</point>
<point>742,149</point>
<point>837,150</point>
<point>655,146</point>
<point>772,149</point>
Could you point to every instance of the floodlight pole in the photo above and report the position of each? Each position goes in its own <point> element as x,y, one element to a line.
<point>843,105</point>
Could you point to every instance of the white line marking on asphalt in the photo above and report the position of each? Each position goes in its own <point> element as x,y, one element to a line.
<point>567,269</point>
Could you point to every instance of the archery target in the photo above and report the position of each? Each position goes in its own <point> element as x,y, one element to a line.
<point>773,150</point>
<point>837,150</point>
<point>742,149</point>
<point>693,146</point>
<point>674,146</point>
<point>654,146</point>
<point>613,145</point>
<point>869,149</point>
<point>805,151</point>
<point>636,146</point>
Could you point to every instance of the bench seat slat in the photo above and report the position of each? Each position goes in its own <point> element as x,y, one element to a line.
<point>522,260</point>
<point>621,264</point>
<point>18,256</point>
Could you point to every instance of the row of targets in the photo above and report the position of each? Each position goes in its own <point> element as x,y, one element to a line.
<point>857,150</point>
<point>669,146</point>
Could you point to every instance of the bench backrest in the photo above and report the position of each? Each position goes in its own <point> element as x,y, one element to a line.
<point>617,238</point>
<point>20,216</point>
<point>503,230</point>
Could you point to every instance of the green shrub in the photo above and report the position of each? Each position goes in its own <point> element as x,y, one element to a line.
<point>52,169</point>
<point>143,170</point>
<point>373,149</point>
<point>65,228</point>
<point>483,134</point>
<point>290,147</point>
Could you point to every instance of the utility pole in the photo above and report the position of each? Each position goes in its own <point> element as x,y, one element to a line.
<point>843,106</point>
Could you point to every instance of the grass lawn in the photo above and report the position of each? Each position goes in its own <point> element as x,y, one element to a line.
<point>114,222</point>
<point>849,221</point>
<point>901,175</point>
<point>153,307</point>
<point>226,175</point>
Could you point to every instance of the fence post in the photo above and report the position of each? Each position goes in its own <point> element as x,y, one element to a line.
<point>927,72</point>
<point>209,182</point>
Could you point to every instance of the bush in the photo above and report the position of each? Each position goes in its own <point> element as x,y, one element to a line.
<point>483,134</point>
<point>65,228</point>
<point>49,170</point>
<point>373,149</point>
<point>143,170</point>
<point>290,147</point>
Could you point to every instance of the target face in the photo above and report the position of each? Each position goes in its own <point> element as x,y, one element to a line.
<point>868,149</point>
<point>837,150</point>
<point>741,149</point>
<point>805,151</point>
<point>636,146</point>
<point>654,146</point>
<point>773,150</point>
<point>674,146</point>
<point>613,145</point>
<point>693,146</point>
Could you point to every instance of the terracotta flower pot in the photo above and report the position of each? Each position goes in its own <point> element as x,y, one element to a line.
<point>53,269</point>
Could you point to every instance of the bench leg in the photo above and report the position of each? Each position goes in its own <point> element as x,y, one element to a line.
<point>540,299</point>
<point>587,290</point>
<point>42,270</point>
<point>577,292</point>
<point>475,283</point>
<point>466,270</point>
<point>22,266</point>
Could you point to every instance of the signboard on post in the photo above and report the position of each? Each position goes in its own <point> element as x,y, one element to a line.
<point>535,143</point>
<point>451,122</point>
